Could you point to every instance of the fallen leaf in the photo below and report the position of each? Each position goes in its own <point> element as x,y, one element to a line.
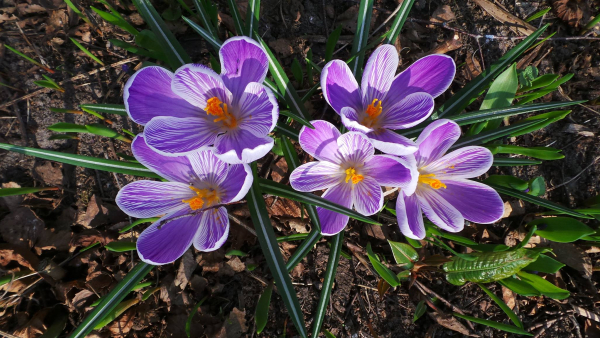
<point>450,322</point>
<point>508,297</point>
<point>99,213</point>
<point>443,14</point>
<point>573,12</point>
<point>121,326</point>
<point>19,254</point>
<point>515,24</point>
<point>282,46</point>
<point>235,326</point>
<point>21,226</point>
<point>236,264</point>
<point>187,265</point>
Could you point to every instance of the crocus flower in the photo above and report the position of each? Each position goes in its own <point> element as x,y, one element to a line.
<point>443,191</point>
<point>196,108</point>
<point>350,172</point>
<point>191,202</point>
<point>383,102</point>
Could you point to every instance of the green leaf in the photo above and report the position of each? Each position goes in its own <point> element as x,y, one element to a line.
<point>272,254</point>
<point>544,120</point>
<point>404,254</point>
<point>363,23</point>
<point>236,253</point>
<point>398,23</point>
<point>102,130</point>
<point>381,269</point>
<point>252,17</point>
<point>328,279</point>
<point>138,50</point>
<point>77,11</point>
<point>30,59</point>
<point>513,162</point>
<point>297,72</point>
<point>278,189</point>
<point>491,135</point>
<point>309,69</point>
<point>527,238</point>
<point>495,325</point>
<point>188,322</point>
<point>13,276</point>
<point>545,91</point>
<point>561,229</point>
<point>507,181</point>
<point>537,186</point>
<point>22,191</point>
<point>235,14</point>
<point>118,109</point>
<point>141,286</point>
<point>545,264</point>
<point>503,306</point>
<point>149,293</point>
<point>420,310</point>
<point>205,19</point>
<point>116,20</point>
<point>543,153</point>
<point>288,131</point>
<point>120,167</point>
<point>66,127</point>
<point>121,246</point>
<point>86,51</point>
<point>519,287</point>
<point>540,82</point>
<point>489,266</point>
<point>543,286</point>
<point>118,310</point>
<point>213,41</point>
<point>332,42</point>
<point>261,314</point>
<point>112,300</point>
<point>538,14</point>
<point>138,222</point>
<point>49,84</point>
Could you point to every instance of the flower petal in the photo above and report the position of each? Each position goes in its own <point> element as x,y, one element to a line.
<point>241,146</point>
<point>408,112</point>
<point>355,148</point>
<point>207,167</point>
<point>332,222</point>
<point>143,199</point>
<point>435,140</point>
<point>392,143</point>
<point>197,83</point>
<point>238,182</point>
<point>316,176</point>
<point>158,246</point>
<point>171,135</point>
<point>173,168</point>
<point>243,61</point>
<point>440,211</point>
<point>432,74</point>
<point>367,196</point>
<point>391,171</point>
<point>321,142</point>
<point>467,162</point>
<point>475,201</point>
<point>148,94</point>
<point>379,73</point>
<point>214,228</point>
<point>409,216</point>
<point>258,110</point>
<point>351,118</point>
<point>340,88</point>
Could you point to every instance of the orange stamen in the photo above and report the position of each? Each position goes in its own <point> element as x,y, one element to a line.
<point>215,107</point>
<point>373,111</point>
<point>352,175</point>
<point>209,197</point>
<point>430,180</point>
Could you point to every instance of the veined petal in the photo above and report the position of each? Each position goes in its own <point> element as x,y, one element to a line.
<point>332,222</point>
<point>237,183</point>
<point>197,83</point>
<point>316,176</point>
<point>408,112</point>
<point>475,201</point>
<point>467,162</point>
<point>435,140</point>
<point>367,196</point>
<point>321,142</point>
<point>207,167</point>
<point>392,143</point>
<point>162,244</point>
<point>242,146</point>
<point>173,168</point>
<point>171,135</point>
<point>439,211</point>
<point>257,109</point>
<point>355,148</point>
<point>340,88</point>
<point>143,199</point>
<point>409,216</point>
<point>432,74</point>
<point>243,61</point>
<point>391,171</point>
<point>351,120</point>
<point>214,228</point>
<point>379,73</point>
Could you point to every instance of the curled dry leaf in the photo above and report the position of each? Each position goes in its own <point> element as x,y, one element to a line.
<point>19,254</point>
<point>573,12</point>
<point>443,14</point>
<point>515,24</point>
<point>21,227</point>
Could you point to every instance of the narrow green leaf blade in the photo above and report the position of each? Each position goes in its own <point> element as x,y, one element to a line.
<point>261,315</point>
<point>495,325</point>
<point>398,23</point>
<point>561,229</point>
<point>515,319</point>
<point>545,264</point>
<point>545,287</point>
<point>381,269</point>
<point>118,109</point>
<point>22,191</point>
<point>404,254</point>
<point>363,23</point>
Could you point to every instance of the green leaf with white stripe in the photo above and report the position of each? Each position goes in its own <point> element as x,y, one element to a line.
<point>237,19</point>
<point>213,41</point>
<point>398,23</point>
<point>252,17</point>
<point>361,36</point>
<point>491,135</point>
<point>118,109</point>
<point>204,17</point>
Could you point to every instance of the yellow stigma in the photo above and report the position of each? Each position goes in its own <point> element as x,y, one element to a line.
<point>373,111</point>
<point>351,174</point>
<point>431,181</point>
<point>203,196</point>
<point>215,107</point>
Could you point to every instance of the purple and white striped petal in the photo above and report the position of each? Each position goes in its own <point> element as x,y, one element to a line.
<point>355,148</point>
<point>158,246</point>
<point>409,216</point>
<point>257,109</point>
<point>408,112</point>
<point>379,74</point>
<point>148,94</point>
<point>173,168</point>
<point>467,162</point>
<point>391,171</point>
<point>475,201</point>
<point>213,231</point>
<point>197,83</point>
<point>143,199</point>
<point>351,120</point>
<point>207,167</point>
<point>237,183</point>
<point>171,135</point>
<point>243,61</point>
<point>435,140</point>
<point>432,74</point>
<point>392,143</point>
<point>332,222</point>
<point>242,146</point>
<point>367,196</point>
<point>439,211</point>
<point>321,142</point>
<point>340,88</point>
<point>316,176</point>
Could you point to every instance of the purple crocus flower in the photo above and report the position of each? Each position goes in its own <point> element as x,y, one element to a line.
<point>387,102</point>
<point>443,191</point>
<point>199,184</point>
<point>196,108</point>
<point>350,172</point>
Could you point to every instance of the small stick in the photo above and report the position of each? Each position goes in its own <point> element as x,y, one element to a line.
<point>425,290</point>
<point>576,176</point>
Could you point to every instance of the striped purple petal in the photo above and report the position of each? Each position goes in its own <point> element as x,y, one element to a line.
<point>332,222</point>
<point>143,199</point>
<point>351,119</point>
<point>214,228</point>
<point>410,216</point>
<point>367,196</point>
<point>340,88</point>
<point>392,143</point>
<point>432,74</point>
<point>207,167</point>
<point>435,140</point>
<point>316,176</point>
<point>439,211</point>
<point>378,74</point>
<point>467,162</point>
<point>237,183</point>
<point>408,112</point>
<point>242,146</point>
<point>355,148</point>
<point>171,135</point>
<point>197,84</point>
<point>475,201</point>
<point>321,142</point>
<point>257,110</point>
<point>391,171</point>
<point>173,168</point>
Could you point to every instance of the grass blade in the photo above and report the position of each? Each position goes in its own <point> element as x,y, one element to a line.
<point>23,191</point>
<point>331,42</point>
<point>361,36</point>
<point>288,131</point>
<point>503,306</point>
<point>398,21</point>
<point>381,269</point>
<point>86,51</point>
<point>77,11</point>
<point>237,19</point>
<point>118,109</point>
<point>205,19</point>
<point>116,20</point>
<point>138,222</point>
<point>512,162</point>
<point>188,322</point>
<point>492,134</point>
<point>213,41</point>
<point>495,325</point>
<point>29,59</point>
<point>261,314</point>
<point>252,16</point>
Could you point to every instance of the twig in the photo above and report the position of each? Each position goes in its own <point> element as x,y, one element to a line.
<point>425,290</point>
<point>241,223</point>
<point>576,176</point>
<point>32,46</point>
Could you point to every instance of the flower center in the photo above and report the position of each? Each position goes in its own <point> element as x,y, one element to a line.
<point>430,180</point>
<point>352,175</point>
<point>215,107</point>
<point>209,197</point>
<point>373,111</point>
